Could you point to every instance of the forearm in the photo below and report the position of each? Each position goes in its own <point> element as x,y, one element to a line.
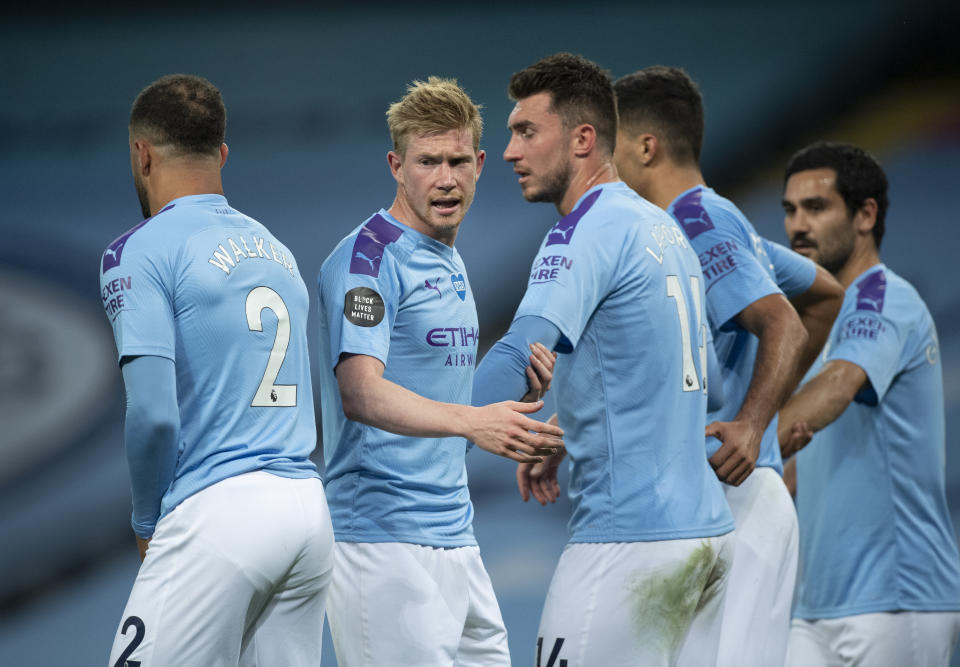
<point>385,405</point>
<point>818,308</point>
<point>778,354</point>
<point>151,436</point>
<point>501,375</point>
<point>821,400</point>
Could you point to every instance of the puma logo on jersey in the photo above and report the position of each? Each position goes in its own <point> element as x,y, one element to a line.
<point>435,286</point>
<point>360,255</point>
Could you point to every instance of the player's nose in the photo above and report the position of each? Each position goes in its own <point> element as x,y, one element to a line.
<point>510,153</point>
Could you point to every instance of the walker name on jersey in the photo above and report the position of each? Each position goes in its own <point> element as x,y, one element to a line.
<point>719,260</point>
<point>113,295</point>
<point>547,269</point>
<point>456,337</point>
<point>227,260</point>
<point>861,326</point>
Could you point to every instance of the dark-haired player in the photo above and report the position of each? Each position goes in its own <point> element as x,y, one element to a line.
<point>880,574</point>
<point>617,290</point>
<point>209,313</point>
<point>759,340</point>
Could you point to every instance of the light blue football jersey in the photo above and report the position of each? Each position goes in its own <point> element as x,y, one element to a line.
<point>738,271</point>
<point>620,281</point>
<point>395,294</point>
<point>875,531</point>
<point>213,290</point>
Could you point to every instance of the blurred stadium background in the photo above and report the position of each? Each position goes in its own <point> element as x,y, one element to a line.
<point>306,91</point>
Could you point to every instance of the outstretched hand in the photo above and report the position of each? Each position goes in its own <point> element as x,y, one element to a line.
<point>737,457</point>
<point>505,430</point>
<point>798,437</point>
<point>539,372</point>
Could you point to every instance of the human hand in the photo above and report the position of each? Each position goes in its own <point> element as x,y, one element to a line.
<point>794,439</point>
<point>539,372</point>
<point>505,430</point>
<point>540,479</point>
<point>142,545</point>
<point>737,456</point>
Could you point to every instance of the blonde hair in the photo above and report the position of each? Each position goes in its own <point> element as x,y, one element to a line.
<point>431,107</point>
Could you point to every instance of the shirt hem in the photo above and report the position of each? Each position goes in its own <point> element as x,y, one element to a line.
<point>693,533</point>
<point>419,540</point>
<point>874,608</point>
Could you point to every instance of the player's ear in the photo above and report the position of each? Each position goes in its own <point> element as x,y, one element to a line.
<point>649,148</point>
<point>224,151</point>
<point>481,158</point>
<point>395,162</point>
<point>143,155</point>
<point>584,139</point>
<point>866,217</point>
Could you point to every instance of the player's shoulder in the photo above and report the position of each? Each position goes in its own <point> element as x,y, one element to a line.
<point>616,209</point>
<point>700,211</point>
<point>880,290</point>
<point>371,247</point>
<point>139,239</point>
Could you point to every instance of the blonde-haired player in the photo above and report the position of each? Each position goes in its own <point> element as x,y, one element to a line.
<point>398,344</point>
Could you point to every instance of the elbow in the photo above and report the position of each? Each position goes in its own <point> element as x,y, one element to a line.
<point>354,407</point>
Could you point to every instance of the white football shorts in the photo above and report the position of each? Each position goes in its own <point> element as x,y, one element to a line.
<point>895,639</point>
<point>635,603</point>
<point>756,611</point>
<point>237,574</point>
<point>393,603</point>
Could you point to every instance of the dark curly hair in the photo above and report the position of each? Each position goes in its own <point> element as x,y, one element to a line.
<point>581,93</point>
<point>183,111</point>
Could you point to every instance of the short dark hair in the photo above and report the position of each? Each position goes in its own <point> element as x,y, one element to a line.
<point>859,176</point>
<point>182,111</point>
<point>666,100</point>
<point>581,93</point>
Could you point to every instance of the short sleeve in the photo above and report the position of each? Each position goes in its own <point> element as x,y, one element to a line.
<point>569,279</point>
<point>359,308</point>
<point>795,273</point>
<point>873,342</point>
<point>137,292</point>
<point>734,276</point>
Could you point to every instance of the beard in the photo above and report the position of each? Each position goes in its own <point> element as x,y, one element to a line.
<point>833,252</point>
<point>836,254</point>
<point>142,196</point>
<point>555,185</point>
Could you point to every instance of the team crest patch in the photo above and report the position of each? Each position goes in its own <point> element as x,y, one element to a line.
<point>459,285</point>
<point>561,233</point>
<point>691,215</point>
<point>363,306</point>
<point>870,292</point>
<point>376,235</point>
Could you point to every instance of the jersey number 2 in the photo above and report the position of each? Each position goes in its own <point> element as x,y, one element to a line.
<point>689,380</point>
<point>270,395</point>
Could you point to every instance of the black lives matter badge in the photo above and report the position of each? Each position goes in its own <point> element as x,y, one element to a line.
<point>363,306</point>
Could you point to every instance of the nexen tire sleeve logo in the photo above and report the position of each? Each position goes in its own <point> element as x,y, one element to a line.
<point>363,306</point>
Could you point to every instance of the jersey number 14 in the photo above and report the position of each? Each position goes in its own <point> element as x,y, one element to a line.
<point>689,378</point>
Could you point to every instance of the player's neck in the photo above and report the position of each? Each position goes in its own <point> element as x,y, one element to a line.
<point>674,181</point>
<point>404,213</point>
<point>184,184</point>
<point>592,173</point>
<point>863,257</point>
